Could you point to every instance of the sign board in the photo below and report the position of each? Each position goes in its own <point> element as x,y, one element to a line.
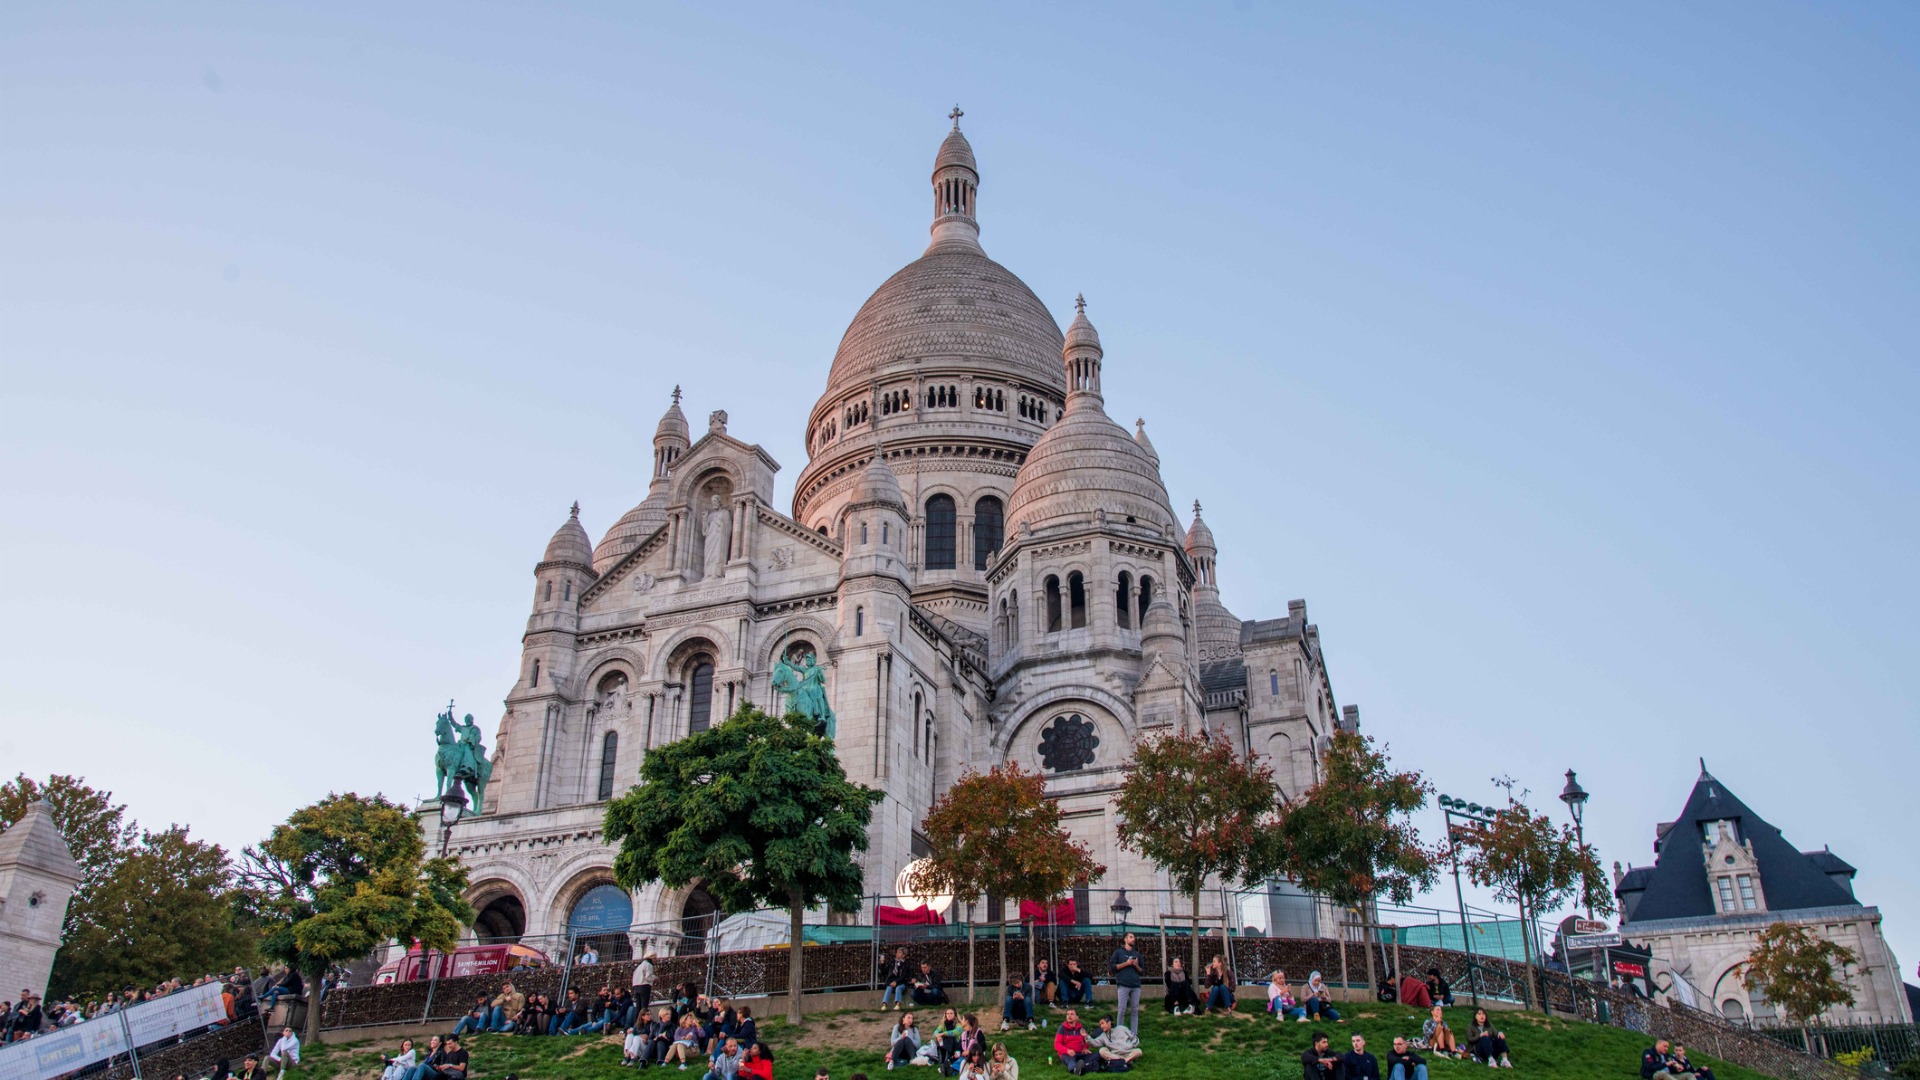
<point>1629,969</point>
<point>72,1049</point>
<point>1583,927</point>
<point>1594,941</point>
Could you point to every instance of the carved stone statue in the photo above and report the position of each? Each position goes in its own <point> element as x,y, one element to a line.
<point>806,688</point>
<point>716,530</point>
<point>460,762</point>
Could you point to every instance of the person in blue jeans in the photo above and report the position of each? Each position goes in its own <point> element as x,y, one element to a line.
<point>1319,1000</point>
<point>1403,1063</point>
<point>1076,986</point>
<point>897,975</point>
<point>476,1018</point>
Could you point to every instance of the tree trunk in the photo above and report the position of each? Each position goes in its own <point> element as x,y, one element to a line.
<point>1193,971</point>
<point>1366,938</point>
<point>973,994</point>
<point>1000,917</point>
<point>315,991</point>
<point>1526,953</point>
<point>796,914</point>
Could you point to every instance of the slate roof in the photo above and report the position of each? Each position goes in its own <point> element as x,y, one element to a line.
<point>1676,887</point>
<point>1220,675</point>
<point>1829,863</point>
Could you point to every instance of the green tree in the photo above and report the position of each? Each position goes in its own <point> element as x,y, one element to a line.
<point>997,834</point>
<point>1800,972</point>
<point>1526,860</point>
<point>1348,838</point>
<point>757,809</point>
<point>1197,809</point>
<point>97,831</point>
<point>169,908</point>
<point>344,876</point>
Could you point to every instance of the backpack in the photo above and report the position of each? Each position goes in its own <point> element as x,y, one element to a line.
<point>1387,993</point>
<point>1118,1065</point>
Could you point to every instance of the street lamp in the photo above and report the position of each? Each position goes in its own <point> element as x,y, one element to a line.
<point>1122,909</point>
<point>1575,797</point>
<point>452,805</point>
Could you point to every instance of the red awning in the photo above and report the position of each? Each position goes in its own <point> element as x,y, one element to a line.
<point>907,916</point>
<point>1062,913</point>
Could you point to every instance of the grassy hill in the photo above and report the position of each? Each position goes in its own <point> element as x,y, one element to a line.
<point>1248,1044</point>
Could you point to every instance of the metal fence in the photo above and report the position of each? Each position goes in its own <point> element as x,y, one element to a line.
<point>1892,1044</point>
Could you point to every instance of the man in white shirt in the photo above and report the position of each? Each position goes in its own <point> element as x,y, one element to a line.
<point>286,1052</point>
<point>588,956</point>
<point>642,986</point>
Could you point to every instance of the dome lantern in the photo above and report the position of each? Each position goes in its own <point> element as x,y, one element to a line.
<point>1082,353</point>
<point>956,188</point>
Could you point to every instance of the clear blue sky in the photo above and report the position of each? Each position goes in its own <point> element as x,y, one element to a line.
<point>1563,357</point>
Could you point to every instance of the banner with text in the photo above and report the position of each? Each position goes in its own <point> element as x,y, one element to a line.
<point>66,1050</point>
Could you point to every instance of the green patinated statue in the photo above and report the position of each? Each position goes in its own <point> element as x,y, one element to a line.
<point>460,762</point>
<point>806,690</point>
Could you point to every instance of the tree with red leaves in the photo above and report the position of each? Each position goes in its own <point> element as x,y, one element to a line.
<point>1526,860</point>
<point>1197,809</point>
<point>997,834</point>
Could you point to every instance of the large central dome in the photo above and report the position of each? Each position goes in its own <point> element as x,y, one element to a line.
<point>951,305</point>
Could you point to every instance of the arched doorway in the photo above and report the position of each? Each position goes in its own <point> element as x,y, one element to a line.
<point>501,921</point>
<point>697,917</point>
<point>601,917</point>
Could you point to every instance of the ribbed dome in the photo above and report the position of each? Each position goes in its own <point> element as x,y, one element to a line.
<point>1080,332</point>
<point>570,544</point>
<point>1200,537</point>
<point>951,304</point>
<point>1087,462</point>
<point>956,150</point>
<point>626,534</point>
<point>1140,436</point>
<point>674,423</point>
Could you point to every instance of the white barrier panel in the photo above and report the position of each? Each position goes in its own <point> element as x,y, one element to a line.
<point>57,1053</point>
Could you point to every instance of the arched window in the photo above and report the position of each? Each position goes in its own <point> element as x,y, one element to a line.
<point>536,673</point>
<point>700,695</point>
<point>609,752</point>
<point>941,532</point>
<point>989,529</point>
<point>883,533</point>
<point>1123,601</point>
<point>1273,683</point>
<point>926,744</point>
<point>549,594</point>
<point>859,621</point>
<point>1146,597</point>
<point>1077,599</point>
<point>863,533</point>
<point>1053,603</point>
<point>602,916</point>
<point>567,593</point>
<point>1013,620</point>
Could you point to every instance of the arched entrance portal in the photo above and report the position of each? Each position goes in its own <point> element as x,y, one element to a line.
<point>501,921</point>
<point>697,918</point>
<point>601,917</point>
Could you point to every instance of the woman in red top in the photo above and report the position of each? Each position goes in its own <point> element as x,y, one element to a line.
<point>757,1065</point>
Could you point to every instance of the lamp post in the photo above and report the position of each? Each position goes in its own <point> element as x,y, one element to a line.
<point>452,805</point>
<point>1475,813</point>
<point>1575,797</point>
<point>1122,909</point>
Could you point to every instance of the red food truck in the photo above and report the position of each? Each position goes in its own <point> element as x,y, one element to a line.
<point>466,960</point>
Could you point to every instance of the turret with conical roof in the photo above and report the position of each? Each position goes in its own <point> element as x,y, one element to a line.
<point>669,442</point>
<point>956,187</point>
<point>37,877</point>
<point>1216,629</point>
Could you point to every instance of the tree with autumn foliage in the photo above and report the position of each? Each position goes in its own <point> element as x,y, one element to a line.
<point>1800,972</point>
<point>1349,838</point>
<point>1197,809</point>
<point>997,834</point>
<point>1526,860</point>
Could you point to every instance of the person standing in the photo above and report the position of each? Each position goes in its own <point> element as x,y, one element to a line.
<point>1125,966</point>
<point>642,988</point>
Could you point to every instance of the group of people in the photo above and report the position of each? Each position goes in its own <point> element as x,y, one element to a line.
<point>1315,1002</point>
<point>956,1046</point>
<point>1319,1062</point>
<point>1668,1061</point>
<point>31,1015</point>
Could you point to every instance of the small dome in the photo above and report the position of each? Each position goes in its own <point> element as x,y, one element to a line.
<point>673,425</point>
<point>955,150</point>
<point>570,544</point>
<point>1200,538</point>
<point>627,533</point>
<point>1161,620</point>
<point>1080,332</point>
<point>878,484</point>
<point>1086,462</point>
<point>1140,436</point>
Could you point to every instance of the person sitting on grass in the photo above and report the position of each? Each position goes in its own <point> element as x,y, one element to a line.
<point>285,1053</point>
<point>1070,1043</point>
<point>1219,984</point>
<point>903,1043</point>
<point>1680,1059</point>
<point>633,1048</point>
<point>402,1062</point>
<point>1044,989</point>
<point>1319,1001</point>
<point>1488,1046</point>
<point>451,1066</point>
<point>725,1064</point>
<point>1116,1043</point>
<point>1436,1036</point>
<point>1015,1007</point>
<point>1357,1063</point>
<point>946,1038</point>
<point>1317,1061</point>
<point>745,1029</point>
<point>1658,1063</point>
<point>897,976</point>
<point>251,1069</point>
<point>1438,988</point>
<point>974,1065</point>
<point>758,1064</point>
<point>659,1037</point>
<point>1280,1001</point>
<point>1001,1065</point>
<point>972,1039</point>
<point>1180,999</point>
<point>476,1017</point>
<point>579,1016</point>
<point>686,1041</point>
<point>1403,1063</point>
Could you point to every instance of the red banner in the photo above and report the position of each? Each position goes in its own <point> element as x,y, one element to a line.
<point>907,916</point>
<point>1062,913</point>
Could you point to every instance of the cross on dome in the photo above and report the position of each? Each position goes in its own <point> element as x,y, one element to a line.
<point>576,508</point>
<point>1080,305</point>
<point>676,394</point>
<point>955,116</point>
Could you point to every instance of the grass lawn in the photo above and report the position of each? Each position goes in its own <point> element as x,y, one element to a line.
<point>1247,1044</point>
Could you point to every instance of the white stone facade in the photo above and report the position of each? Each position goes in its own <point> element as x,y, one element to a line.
<point>987,564</point>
